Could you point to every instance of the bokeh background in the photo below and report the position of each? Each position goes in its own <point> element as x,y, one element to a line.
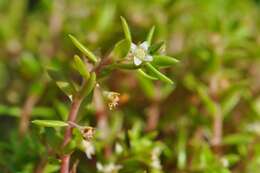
<point>209,121</point>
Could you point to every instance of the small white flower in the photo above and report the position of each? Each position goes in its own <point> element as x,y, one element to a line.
<point>156,164</point>
<point>224,162</point>
<point>254,128</point>
<point>109,168</point>
<point>119,149</point>
<point>140,53</point>
<point>89,148</point>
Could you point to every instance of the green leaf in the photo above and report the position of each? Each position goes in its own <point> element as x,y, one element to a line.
<point>182,155</point>
<point>237,138</point>
<point>155,47</point>
<point>150,36</point>
<point>55,74</point>
<point>121,48</point>
<point>147,86</point>
<point>142,73</point>
<point>83,49</point>
<point>80,66</point>
<point>158,74</point>
<point>37,88</point>
<point>50,123</point>
<point>66,87</point>
<point>88,87</point>
<point>30,66</point>
<point>126,29</point>
<point>164,60</point>
<point>209,103</point>
<point>231,98</point>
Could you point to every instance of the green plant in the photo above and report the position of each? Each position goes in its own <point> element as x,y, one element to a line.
<point>145,59</point>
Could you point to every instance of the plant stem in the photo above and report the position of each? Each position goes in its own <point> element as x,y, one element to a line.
<point>217,126</point>
<point>102,118</point>
<point>153,116</point>
<point>154,110</point>
<point>217,130</point>
<point>65,159</point>
<point>30,102</point>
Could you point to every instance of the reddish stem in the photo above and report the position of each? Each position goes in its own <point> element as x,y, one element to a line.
<point>26,113</point>
<point>65,159</point>
<point>153,116</point>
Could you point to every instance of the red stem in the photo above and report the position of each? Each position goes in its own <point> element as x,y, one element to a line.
<point>65,159</point>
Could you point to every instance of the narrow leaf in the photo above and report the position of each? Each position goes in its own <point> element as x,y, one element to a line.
<point>126,29</point>
<point>66,87</point>
<point>50,123</point>
<point>155,47</point>
<point>147,86</point>
<point>142,73</point>
<point>150,36</point>
<point>83,49</point>
<point>55,74</point>
<point>81,67</point>
<point>158,74</point>
<point>164,60</point>
<point>88,87</point>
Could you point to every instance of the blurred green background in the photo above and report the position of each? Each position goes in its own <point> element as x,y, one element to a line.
<point>209,121</point>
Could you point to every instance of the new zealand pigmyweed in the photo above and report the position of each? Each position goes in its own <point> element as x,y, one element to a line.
<point>144,58</point>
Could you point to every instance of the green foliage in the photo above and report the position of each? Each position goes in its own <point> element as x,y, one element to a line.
<point>193,107</point>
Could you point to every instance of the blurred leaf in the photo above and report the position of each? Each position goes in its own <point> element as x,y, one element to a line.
<point>51,168</point>
<point>150,36</point>
<point>236,139</point>
<point>67,88</point>
<point>37,88</point>
<point>29,65</point>
<point>231,99</point>
<point>147,86</point>
<point>153,49</point>
<point>50,123</point>
<point>55,74</point>
<point>105,16</point>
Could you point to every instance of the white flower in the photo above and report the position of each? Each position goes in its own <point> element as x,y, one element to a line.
<point>110,168</point>
<point>140,53</point>
<point>254,128</point>
<point>89,148</point>
<point>119,149</point>
<point>156,164</point>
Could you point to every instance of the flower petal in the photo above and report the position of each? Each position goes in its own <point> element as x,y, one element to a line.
<point>144,45</point>
<point>148,58</point>
<point>89,149</point>
<point>133,47</point>
<point>137,61</point>
<point>99,166</point>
